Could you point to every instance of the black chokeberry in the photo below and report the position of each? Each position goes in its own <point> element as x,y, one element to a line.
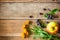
<point>31,16</point>
<point>41,13</point>
<point>49,16</point>
<point>44,9</point>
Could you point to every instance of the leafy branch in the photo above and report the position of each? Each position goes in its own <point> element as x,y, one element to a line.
<point>40,33</point>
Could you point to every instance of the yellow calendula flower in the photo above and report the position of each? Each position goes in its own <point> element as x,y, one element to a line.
<point>23,26</point>
<point>27,34</point>
<point>23,35</point>
<point>24,30</point>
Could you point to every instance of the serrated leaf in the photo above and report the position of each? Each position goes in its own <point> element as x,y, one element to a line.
<point>44,35</point>
<point>54,11</point>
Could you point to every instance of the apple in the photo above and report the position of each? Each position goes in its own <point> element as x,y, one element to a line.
<point>52,27</point>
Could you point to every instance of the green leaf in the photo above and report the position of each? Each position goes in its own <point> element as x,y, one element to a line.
<point>50,37</point>
<point>36,36</point>
<point>39,32</point>
<point>45,15</point>
<point>53,11</point>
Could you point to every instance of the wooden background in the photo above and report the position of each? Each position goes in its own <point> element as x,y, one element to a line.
<point>20,12</point>
<point>24,10</point>
<point>30,0</point>
<point>11,29</point>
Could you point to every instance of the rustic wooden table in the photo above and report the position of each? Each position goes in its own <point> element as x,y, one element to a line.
<point>24,10</point>
<point>30,0</point>
<point>11,29</point>
<point>13,14</point>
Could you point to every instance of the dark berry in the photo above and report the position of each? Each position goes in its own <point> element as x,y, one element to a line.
<point>49,16</point>
<point>38,20</point>
<point>40,23</point>
<point>44,9</point>
<point>41,13</point>
<point>47,22</point>
<point>31,16</point>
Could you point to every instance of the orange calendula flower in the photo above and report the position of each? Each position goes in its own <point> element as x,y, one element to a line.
<point>24,30</point>
<point>23,35</point>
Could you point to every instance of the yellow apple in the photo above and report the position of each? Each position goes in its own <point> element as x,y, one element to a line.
<point>52,27</point>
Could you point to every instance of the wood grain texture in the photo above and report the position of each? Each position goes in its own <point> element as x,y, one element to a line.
<point>29,0</point>
<point>24,10</point>
<point>12,27</point>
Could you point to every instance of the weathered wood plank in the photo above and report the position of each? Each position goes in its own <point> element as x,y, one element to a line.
<point>14,26</point>
<point>29,0</point>
<point>11,29</point>
<point>24,10</point>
